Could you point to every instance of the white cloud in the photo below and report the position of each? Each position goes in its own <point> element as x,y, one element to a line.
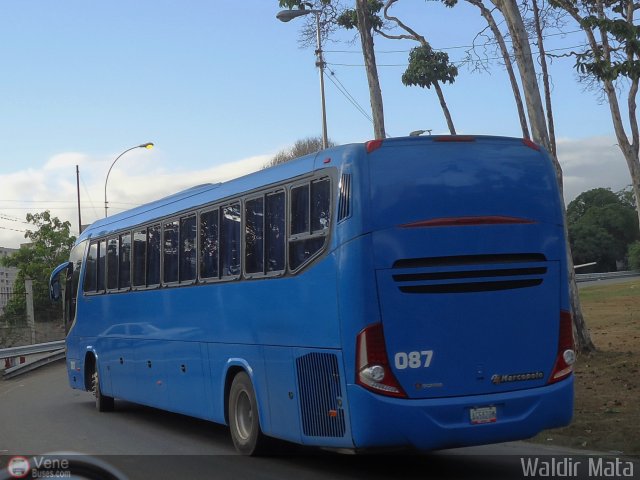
<point>591,163</point>
<point>139,180</point>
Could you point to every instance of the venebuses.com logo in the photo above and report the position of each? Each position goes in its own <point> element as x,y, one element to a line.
<point>18,467</point>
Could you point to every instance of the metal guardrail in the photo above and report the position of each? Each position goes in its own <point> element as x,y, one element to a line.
<point>588,277</point>
<point>32,365</point>
<point>30,349</point>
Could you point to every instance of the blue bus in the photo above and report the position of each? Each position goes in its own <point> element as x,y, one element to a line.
<point>406,292</point>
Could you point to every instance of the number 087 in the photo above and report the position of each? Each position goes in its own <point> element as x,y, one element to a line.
<point>413,359</point>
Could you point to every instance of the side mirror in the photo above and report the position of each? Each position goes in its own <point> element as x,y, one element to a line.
<point>55,292</point>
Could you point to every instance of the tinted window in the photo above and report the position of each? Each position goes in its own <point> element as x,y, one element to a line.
<point>124,276</point>
<point>300,209</point>
<point>112,263</point>
<point>102,254</point>
<point>275,232</point>
<point>254,235</point>
<point>230,240</point>
<point>153,255</point>
<point>310,216</point>
<point>188,248</point>
<point>170,251</point>
<point>139,258</point>
<point>320,205</point>
<point>209,244</point>
<point>91,269</point>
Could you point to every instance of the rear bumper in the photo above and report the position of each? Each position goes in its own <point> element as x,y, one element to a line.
<point>432,424</point>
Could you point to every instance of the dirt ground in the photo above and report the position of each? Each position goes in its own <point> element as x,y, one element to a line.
<point>607,389</point>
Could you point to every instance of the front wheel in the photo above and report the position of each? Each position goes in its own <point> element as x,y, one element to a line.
<point>104,403</point>
<point>243,416</point>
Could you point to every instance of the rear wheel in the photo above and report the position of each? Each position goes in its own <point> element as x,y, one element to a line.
<point>104,403</point>
<point>243,416</point>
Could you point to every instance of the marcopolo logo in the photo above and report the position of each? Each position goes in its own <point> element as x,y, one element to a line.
<point>18,467</point>
<point>497,379</point>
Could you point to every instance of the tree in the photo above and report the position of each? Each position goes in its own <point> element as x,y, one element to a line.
<point>634,255</point>
<point>365,27</point>
<point>611,58</point>
<point>602,225</point>
<point>302,147</point>
<point>50,244</point>
<point>427,69</point>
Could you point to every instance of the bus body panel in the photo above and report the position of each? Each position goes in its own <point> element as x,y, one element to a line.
<point>439,423</point>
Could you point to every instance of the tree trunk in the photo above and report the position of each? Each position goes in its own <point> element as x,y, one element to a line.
<point>545,78</point>
<point>506,58</point>
<point>524,59</point>
<point>375,93</point>
<point>539,131</point>
<point>445,109</point>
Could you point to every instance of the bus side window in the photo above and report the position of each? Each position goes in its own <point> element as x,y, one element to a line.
<point>254,235</point>
<point>124,264</point>
<point>310,218</point>
<point>320,205</point>
<point>209,244</point>
<point>139,257</point>
<point>188,248</point>
<point>275,232</point>
<point>91,270</point>
<point>170,245</point>
<point>112,264</point>
<point>102,254</point>
<point>153,255</point>
<point>230,240</point>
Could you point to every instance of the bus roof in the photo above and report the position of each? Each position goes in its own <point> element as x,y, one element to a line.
<point>208,193</point>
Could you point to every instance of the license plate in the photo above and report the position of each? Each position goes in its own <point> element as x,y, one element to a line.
<point>482,415</point>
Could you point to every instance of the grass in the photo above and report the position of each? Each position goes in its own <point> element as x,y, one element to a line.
<point>607,388</point>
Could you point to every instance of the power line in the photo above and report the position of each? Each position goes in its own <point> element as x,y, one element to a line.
<point>342,89</point>
<point>459,62</point>
<point>457,47</point>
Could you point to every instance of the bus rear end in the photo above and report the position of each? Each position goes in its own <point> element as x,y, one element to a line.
<point>473,341</point>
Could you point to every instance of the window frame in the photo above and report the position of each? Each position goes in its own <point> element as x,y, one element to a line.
<point>310,234</point>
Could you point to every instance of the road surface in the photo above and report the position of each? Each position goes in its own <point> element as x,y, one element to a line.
<point>39,414</point>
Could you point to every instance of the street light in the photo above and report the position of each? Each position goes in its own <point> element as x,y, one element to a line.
<point>148,146</point>
<point>287,15</point>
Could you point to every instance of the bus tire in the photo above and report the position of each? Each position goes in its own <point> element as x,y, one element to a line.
<point>104,403</point>
<point>243,416</point>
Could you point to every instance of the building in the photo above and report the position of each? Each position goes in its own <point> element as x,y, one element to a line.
<point>7,279</point>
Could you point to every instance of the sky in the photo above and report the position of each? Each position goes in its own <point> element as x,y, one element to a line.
<point>220,87</point>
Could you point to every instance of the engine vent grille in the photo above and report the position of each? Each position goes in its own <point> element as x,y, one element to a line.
<point>320,395</point>
<point>471,273</point>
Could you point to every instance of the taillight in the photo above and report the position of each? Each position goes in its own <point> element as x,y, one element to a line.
<point>454,138</point>
<point>566,354</point>
<point>372,364</point>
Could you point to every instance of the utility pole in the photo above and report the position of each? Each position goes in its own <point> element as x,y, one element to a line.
<point>78,190</point>
<point>31,320</point>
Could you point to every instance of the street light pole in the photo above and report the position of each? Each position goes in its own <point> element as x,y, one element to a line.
<point>285,16</point>
<point>148,146</point>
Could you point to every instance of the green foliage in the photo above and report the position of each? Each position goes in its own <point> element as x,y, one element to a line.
<point>426,67</point>
<point>50,244</point>
<point>302,147</point>
<point>633,253</point>
<point>601,226</point>
<point>349,18</point>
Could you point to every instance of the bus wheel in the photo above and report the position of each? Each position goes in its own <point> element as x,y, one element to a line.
<point>243,416</point>
<point>103,402</point>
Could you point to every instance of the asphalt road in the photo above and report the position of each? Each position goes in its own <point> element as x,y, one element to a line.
<point>40,414</point>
